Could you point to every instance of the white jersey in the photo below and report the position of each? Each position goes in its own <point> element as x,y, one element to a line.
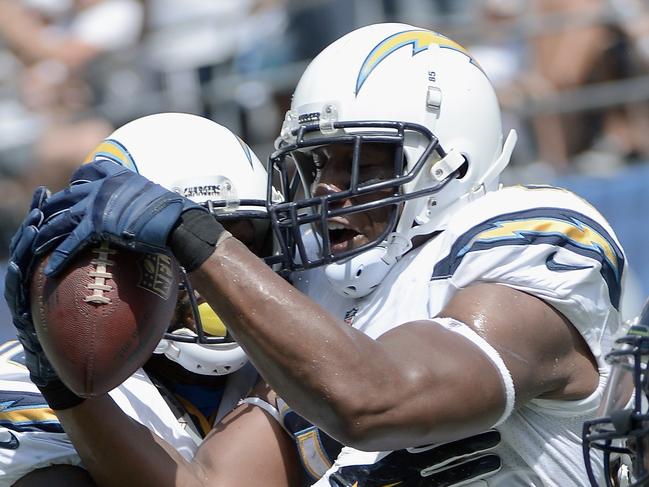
<point>31,436</point>
<point>544,241</point>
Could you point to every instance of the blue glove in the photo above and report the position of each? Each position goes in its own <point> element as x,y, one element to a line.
<point>106,201</point>
<point>21,262</point>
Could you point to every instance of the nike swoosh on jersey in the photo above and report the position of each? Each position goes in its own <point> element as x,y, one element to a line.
<point>11,444</point>
<point>553,265</point>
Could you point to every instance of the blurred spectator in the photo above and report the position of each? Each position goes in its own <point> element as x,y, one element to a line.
<point>540,50</point>
<point>580,54</point>
<point>633,18</point>
<point>572,57</point>
<point>55,42</point>
<point>504,56</point>
<point>281,33</point>
<point>191,43</point>
<point>316,26</point>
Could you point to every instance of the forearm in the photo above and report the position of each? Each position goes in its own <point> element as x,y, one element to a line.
<point>325,374</point>
<point>382,394</point>
<point>117,450</point>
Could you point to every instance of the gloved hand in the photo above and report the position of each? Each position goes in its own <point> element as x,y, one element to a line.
<point>21,261</point>
<point>106,201</point>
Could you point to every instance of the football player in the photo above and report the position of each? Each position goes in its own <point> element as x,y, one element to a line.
<point>398,157</point>
<point>619,436</point>
<point>198,373</point>
<point>437,305</point>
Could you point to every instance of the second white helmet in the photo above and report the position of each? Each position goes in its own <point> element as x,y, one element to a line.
<point>210,165</point>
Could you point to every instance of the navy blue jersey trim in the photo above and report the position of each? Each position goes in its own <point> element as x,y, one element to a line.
<point>15,400</point>
<point>52,426</point>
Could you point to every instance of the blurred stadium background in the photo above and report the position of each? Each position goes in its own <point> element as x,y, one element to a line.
<point>572,75</point>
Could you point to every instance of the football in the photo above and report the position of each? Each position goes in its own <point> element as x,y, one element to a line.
<point>100,319</point>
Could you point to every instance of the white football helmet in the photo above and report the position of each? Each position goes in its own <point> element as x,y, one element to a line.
<point>394,84</point>
<point>210,165</point>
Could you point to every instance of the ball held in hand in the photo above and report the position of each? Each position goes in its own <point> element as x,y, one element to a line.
<point>100,319</point>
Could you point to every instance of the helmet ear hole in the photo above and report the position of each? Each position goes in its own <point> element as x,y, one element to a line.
<point>463,169</point>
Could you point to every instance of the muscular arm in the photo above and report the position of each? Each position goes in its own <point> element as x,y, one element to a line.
<point>418,383</point>
<point>118,450</point>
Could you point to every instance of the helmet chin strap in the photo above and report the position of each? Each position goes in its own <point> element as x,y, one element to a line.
<point>503,160</point>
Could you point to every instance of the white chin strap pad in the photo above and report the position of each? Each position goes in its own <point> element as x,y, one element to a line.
<point>360,275</point>
<point>492,354</point>
<point>202,359</point>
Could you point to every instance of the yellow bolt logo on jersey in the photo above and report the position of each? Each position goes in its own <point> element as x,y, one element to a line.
<point>563,228</point>
<point>574,231</point>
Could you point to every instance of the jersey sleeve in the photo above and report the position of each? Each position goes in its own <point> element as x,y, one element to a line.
<point>554,246</point>
<point>31,436</point>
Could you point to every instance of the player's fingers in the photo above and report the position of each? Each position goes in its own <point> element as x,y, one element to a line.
<point>13,288</point>
<point>96,170</point>
<point>22,252</point>
<point>20,259</point>
<point>63,200</point>
<point>33,219</point>
<point>38,198</point>
<point>58,226</point>
<point>72,244</point>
